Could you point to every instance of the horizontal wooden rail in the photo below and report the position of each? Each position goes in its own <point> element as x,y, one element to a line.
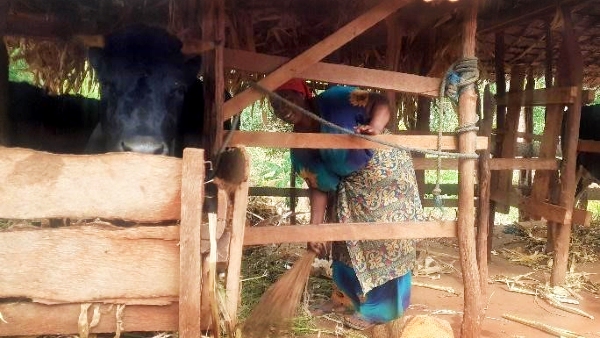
<point>588,146</point>
<point>33,319</point>
<point>348,231</point>
<point>339,141</point>
<point>542,97</point>
<point>35,184</point>
<point>550,212</point>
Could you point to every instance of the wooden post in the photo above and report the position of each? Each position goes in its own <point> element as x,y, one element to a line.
<point>213,29</point>
<point>5,127</point>
<point>570,69</point>
<point>509,140</point>
<point>471,324</point>
<point>484,231</point>
<point>544,179</point>
<point>190,258</point>
<point>525,176</point>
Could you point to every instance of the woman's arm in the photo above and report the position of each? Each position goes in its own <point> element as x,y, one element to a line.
<point>379,112</point>
<point>318,206</point>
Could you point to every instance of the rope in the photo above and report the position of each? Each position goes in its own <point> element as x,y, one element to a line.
<point>274,96</point>
<point>459,76</point>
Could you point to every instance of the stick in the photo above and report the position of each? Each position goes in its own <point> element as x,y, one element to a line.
<point>435,287</point>
<point>543,327</point>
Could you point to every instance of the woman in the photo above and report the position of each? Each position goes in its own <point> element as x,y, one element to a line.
<point>369,186</point>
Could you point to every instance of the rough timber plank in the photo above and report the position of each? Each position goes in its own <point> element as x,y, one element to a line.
<point>542,97</point>
<point>348,231</point>
<point>338,141</point>
<point>32,319</point>
<point>136,265</point>
<point>35,184</point>
<point>190,261</point>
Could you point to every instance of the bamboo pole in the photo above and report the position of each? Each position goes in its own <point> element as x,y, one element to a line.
<point>5,127</point>
<point>471,324</point>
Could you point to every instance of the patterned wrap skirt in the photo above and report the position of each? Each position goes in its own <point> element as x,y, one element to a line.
<point>384,191</point>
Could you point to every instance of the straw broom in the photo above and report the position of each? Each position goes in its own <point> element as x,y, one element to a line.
<point>277,306</point>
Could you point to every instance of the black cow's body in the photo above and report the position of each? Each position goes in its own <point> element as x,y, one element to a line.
<point>54,123</point>
<point>151,101</point>
<point>589,129</point>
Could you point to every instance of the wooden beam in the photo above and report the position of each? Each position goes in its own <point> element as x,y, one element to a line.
<point>339,141</point>
<point>524,164</point>
<point>588,146</point>
<point>548,211</point>
<point>190,257</point>
<point>542,97</point>
<point>334,73</point>
<point>32,319</point>
<point>348,231</point>
<point>35,184</point>
<point>314,54</point>
<point>39,265</point>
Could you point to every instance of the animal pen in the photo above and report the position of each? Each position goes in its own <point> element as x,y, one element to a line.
<point>150,278</point>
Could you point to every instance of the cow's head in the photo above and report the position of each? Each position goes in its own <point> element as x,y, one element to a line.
<point>143,78</point>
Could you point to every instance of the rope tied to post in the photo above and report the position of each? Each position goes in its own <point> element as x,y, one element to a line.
<point>458,77</point>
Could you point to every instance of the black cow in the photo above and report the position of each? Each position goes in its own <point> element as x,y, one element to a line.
<point>54,123</point>
<point>588,130</point>
<point>151,99</point>
<point>143,80</point>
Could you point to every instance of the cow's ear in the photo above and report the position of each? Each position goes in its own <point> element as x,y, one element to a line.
<point>96,58</point>
<point>192,66</point>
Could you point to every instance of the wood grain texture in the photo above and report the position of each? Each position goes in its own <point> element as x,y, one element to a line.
<point>190,262</point>
<point>338,141</point>
<point>32,319</point>
<point>136,187</point>
<point>82,264</point>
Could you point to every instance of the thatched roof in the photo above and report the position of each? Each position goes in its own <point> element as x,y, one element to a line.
<point>425,36</point>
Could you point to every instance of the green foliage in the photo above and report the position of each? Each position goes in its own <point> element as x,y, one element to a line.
<point>19,72</point>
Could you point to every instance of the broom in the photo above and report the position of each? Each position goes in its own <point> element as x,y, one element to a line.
<point>277,306</point>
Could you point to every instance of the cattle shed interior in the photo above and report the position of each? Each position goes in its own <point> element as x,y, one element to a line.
<point>403,48</point>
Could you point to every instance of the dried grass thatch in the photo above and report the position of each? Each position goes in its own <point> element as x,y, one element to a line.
<point>58,65</point>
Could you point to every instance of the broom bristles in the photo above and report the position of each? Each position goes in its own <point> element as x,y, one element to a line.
<point>277,306</point>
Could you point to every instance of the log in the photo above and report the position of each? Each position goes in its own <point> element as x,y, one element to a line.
<point>467,103</point>
<point>547,96</point>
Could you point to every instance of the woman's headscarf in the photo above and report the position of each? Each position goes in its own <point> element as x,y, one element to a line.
<point>297,85</point>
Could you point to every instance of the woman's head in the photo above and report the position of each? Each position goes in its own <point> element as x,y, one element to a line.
<point>295,91</point>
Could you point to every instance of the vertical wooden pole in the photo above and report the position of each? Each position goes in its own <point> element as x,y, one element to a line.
<point>5,126</point>
<point>525,176</point>
<point>571,70</point>
<point>544,179</point>
<point>471,324</point>
<point>509,141</point>
<point>238,225</point>
<point>483,214</point>
<point>190,258</point>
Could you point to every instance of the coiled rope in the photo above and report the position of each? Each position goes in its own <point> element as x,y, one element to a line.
<point>459,76</point>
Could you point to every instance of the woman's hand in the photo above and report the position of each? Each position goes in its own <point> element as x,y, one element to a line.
<point>367,130</point>
<point>322,249</point>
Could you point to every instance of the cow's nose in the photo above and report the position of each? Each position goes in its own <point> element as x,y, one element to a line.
<point>145,145</point>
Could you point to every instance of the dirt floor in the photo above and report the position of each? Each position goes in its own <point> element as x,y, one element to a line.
<point>443,256</point>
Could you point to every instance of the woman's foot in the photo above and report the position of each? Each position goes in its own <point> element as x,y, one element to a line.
<point>328,307</point>
<point>356,322</point>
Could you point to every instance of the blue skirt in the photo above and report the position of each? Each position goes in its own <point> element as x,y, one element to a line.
<point>381,304</point>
